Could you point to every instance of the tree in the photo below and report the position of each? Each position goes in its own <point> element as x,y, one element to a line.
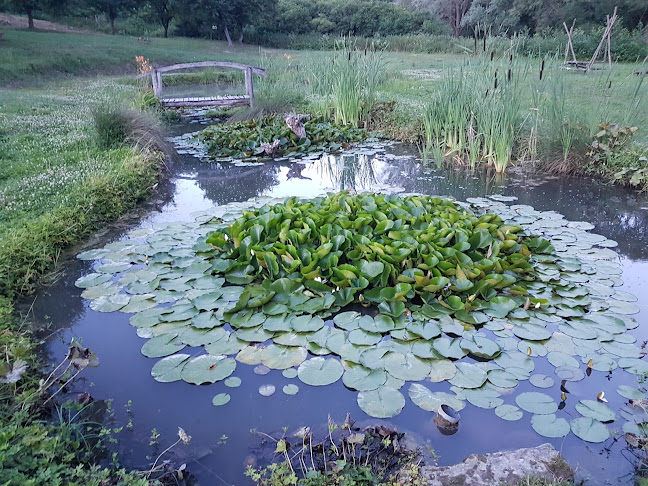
<point>450,11</point>
<point>112,9</point>
<point>165,11</point>
<point>28,7</point>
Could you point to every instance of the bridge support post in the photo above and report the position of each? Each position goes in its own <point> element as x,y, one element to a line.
<point>249,87</point>
<point>156,78</point>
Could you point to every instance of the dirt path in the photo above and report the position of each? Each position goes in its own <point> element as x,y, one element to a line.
<point>21,22</point>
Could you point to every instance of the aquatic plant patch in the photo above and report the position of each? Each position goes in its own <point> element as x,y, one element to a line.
<point>246,139</point>
<point>461,300</point>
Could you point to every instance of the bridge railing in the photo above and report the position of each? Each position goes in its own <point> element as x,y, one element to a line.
<point>156,74</point>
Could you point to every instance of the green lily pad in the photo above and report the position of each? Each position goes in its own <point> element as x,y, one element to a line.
<point>92,280</point>
<point>406,367</point>
<point>110,303</point>
<point>469,376</point>
<point>169,369</point>
<point>432,401</point>
<point>442,370</point>
<point>509,412</point>
<point>561,359</point>
<point>163,345</point>
<point>550,426</point>
<point>221,399</point>
<point>291,389</point>
<point>541,381</point>
<point>536,403</point>
<point>589,429</point>
<point>630,393</point>
<point>502,378</point>
<point>481,347</point>
<point>282,357</point>
<point>596,410</point>
<point>289,373</point>
<point>363,379</point>
<point>233,382</point>
<point>383,402</point>
<point>266,390</point>
<point>320,371</point>
<point>208,369</point>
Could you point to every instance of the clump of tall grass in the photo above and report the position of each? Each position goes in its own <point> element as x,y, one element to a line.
<point>347,81</point>
<point>474,115</point>
<point>117,126</point>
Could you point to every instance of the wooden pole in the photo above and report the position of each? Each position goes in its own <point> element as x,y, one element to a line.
<point>608,29</point>
<point>570,46</point>
<point>158,75</point>
<point>249,87</point>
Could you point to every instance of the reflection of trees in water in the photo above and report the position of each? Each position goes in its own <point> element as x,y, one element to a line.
<point>349,172</point>
<point>225,183</point>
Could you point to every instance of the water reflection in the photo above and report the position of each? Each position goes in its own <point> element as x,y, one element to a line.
<point>353,172</point>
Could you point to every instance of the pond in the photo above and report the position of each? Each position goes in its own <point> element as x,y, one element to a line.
<point>222,442</point>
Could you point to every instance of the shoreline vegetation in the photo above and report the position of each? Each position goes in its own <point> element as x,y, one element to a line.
<point>78,153</point>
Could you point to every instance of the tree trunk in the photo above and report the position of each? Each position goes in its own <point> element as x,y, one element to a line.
<point>166,29</point>
<point>30,18</point>
<point>241,38</point>
<point>111,17</point>
<point>229,39</point>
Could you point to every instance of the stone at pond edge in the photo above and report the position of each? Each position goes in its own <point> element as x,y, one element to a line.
<point>512,467</point>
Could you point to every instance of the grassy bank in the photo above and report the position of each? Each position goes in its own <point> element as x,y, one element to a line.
<point>58,184</point>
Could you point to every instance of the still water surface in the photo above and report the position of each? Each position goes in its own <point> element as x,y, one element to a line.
<point>124,373</point>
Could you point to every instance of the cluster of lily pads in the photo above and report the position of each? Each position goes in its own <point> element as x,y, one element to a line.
<point>244,139</point>
<point>379,291</point>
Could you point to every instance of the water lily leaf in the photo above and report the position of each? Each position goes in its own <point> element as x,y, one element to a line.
<point>104,289</point>
<point>307,323</point>
<point>449,348</point>
<point>221,399</point>
<point>233,382</point>
<point>561,359</point>
<point>383,402</point>
<point>371,269</point>
<point>622,350</point>
<point>500,306</point>
<point>541,381</point>
<point>92,280</point>
<point>596,410</point>
<point>531,332</point>
<point>361,337</point>
<point>531,348</point>
<point>406,367</point>
<point>92,254</point>
<point>208,369</point>
<point>536,403</point>
<point>163,345</point>
<point>282,357</point>
<point>550,426</point>
<point>509,412</point>
<point>254,335</point>
<point>266,390</point>
<point>502,378</point>
<point>515,360</point>
<point>570,373</point>
<point>110,303</point>
<point>468,376</point>
<point>347,320</point>
<point>481,347</point>
<point>634,365</point>
<point>291,389</point>
<point>589,429</point>
<point>289,373</point>
<point>630,393</point>
<point>168,369</point>
<point>320,371</point>
<point>229,344</point>
<point>432,401</point>
<point>363,379</point>
<point>442,370</point>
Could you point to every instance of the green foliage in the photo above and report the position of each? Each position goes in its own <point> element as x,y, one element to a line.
<point>244,139</point>
<point>609,140</point>
<point>474,116</point>
<point>112,125</point>
<point>385,250</point>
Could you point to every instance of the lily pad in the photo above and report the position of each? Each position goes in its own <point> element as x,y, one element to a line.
<point>208,369</point>
<point>509,412</point>
<point>282,357</point>
<point>289,373</point>
<point>291,389</point>
<point>170,368</point>
<point>221,399</point>
<point>363,379</point>
<point>541,381</point>
<point>320,371</point>
<point>589,429</point>
<point>596,410</point>
<point>163,345</point>
<point>384,402</point>
<point>536,403</point>
<point>233,382</point>
<point>431,401</point>
<point>550,426</point>
<point>266,390</point>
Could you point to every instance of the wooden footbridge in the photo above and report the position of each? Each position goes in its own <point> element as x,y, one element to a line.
<point>246,99</point>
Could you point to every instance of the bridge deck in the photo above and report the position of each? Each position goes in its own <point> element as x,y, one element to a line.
<point>206,101</point>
